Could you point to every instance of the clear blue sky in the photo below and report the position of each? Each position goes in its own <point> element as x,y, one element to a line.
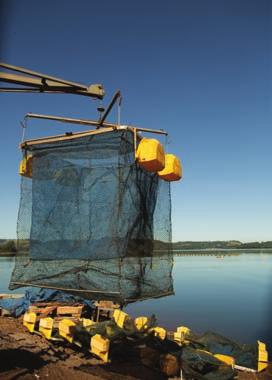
<point>199,68</point>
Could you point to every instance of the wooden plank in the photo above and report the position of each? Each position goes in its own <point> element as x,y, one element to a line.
<point>76,135</point>
<point>73,310</point>
<point>66,137</point>
<point>107,305</point>
<point>42,310</point>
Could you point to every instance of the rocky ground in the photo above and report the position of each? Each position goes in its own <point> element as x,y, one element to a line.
<point>25,356</point>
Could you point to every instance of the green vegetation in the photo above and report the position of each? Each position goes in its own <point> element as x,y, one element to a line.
<point>200,245</point>
<point>230,244</point>
<point>7,247</point>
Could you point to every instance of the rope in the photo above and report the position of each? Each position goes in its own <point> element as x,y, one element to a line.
<point>24,126</point>
<point>119,111</point>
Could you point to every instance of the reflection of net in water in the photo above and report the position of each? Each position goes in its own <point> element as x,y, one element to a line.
<point>87,201</point>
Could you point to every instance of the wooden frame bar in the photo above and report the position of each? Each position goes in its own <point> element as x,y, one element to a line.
<point>107,127</point>
<point>65,137</point>
<point>63,289</point>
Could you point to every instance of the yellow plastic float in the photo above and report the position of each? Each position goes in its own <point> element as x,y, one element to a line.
<point>141,323</point>
<point>120,317</point>
<point>66,329</point>
<point>159,332</point>
<point>172,170</point>
<point>100,347</point>
<point>25,168</point>
<point>181,333</point>
<point>29,321</point>
<point>150,155</point>
<point>262,356</point>
<point>46,327</point>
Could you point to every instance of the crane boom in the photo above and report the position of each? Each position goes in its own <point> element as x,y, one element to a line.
<point>32,81</point>
<point>38,82</point>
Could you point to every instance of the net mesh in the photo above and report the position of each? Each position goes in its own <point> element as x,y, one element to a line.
<point>90,209</point>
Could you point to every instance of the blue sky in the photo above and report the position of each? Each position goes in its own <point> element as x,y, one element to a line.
<point>199,69</point>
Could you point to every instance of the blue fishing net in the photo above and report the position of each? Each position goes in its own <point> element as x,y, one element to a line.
<point>87,201</point>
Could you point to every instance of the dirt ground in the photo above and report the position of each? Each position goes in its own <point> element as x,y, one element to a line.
<point>25,356</point>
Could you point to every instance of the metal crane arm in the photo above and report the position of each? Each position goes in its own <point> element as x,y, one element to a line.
<point>45,83</point>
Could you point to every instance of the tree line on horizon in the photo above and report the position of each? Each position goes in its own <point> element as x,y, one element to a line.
<point>9,245</point>
<point>229,244</point>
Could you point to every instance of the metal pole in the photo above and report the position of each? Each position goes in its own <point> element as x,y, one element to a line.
<point>90,123</point>
<point>114,99</point>
<point>69,120</point>
<point>60,288</point>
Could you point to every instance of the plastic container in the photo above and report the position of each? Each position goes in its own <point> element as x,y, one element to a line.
<point>141,323</point>
<point>150,155</point>
<point>100,347</point>
<point>120,318</point>
<point>25,168</point>
<point>172,170</point>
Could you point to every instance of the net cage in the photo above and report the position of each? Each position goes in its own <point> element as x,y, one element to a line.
<point>91,220</point>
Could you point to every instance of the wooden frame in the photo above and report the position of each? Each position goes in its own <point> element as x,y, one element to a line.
<point>107,127</point>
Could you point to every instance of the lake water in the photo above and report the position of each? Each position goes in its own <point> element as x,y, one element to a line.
<point>230,295</point>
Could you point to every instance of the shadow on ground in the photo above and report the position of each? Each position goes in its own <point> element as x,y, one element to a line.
<point>18,358</point>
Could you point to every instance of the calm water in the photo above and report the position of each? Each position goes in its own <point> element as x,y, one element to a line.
<point>232,296</point>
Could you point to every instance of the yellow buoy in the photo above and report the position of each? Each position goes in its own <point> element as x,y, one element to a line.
<point>25,168</point>
<point>181,334</point>
<point>172,170</point>
<point>30,320</point>
<point>150,155</point>
<point>159,332</point>
<point>262,356</point>
<point>46,327</point>
<point>120,317</point>
<point>66,329</point>
<point>100,347</point>
<point>141,323</point>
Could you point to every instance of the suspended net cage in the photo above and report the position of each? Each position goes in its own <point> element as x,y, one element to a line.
<point>92,220</point>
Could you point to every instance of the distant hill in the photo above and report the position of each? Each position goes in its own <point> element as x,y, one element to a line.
<point>217,244</point>
<point>229,244</point>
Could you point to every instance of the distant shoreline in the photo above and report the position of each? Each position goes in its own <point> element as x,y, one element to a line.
<point>8,247</point>
<point>220,249</point>
<point>7,254</point>
<point>204,251</point>
<point>220,245</point>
